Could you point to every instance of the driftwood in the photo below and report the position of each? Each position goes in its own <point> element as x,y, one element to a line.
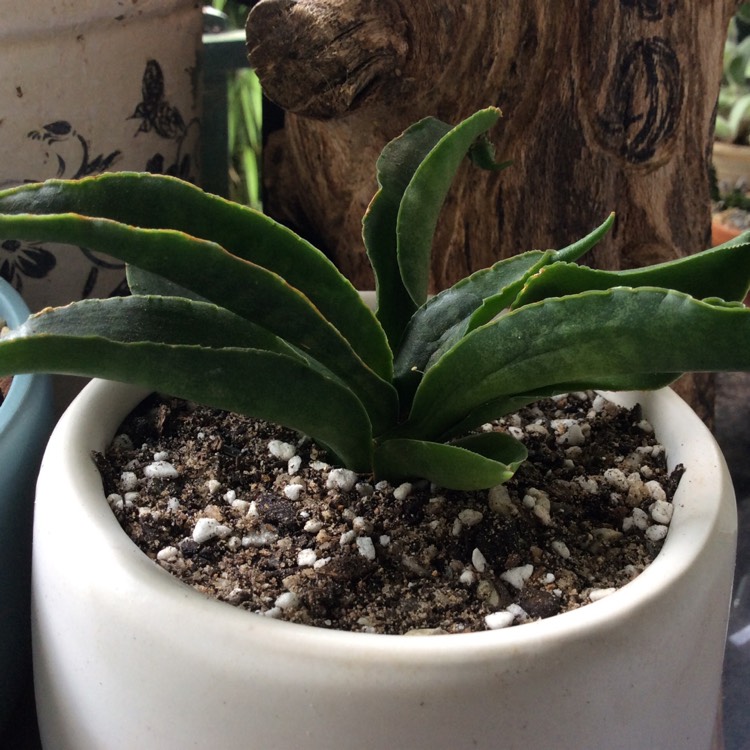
<point>607,106</point>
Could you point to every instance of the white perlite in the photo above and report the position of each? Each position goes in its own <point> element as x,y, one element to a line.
<point>616,478</point>
<point>573,435</point>
<point>467,577</point>
<point>499,501</point>
<point>638,519</point>
<point>469,517</point>
<point>209,528</point>
<point>365,547</point>
<point>287,600</point>
<point>293,491</point>
<point>479,561</point>
<point>661,512</point>
<point>402,491</point>
<point>498,620</point>
<point>518,612</point>
<point>656,491</point>
<point>160,470</point>
<point>213,486</point>
<point>281,450</point>
<point>259,539</point>
<point>657,532</point>
<point>313,526</point>
<point>517,577</point>
<point>128,481</point>
<point>347,537</point>
<point>341,479</point>
<point>306,558</point>
<point>168,554</point>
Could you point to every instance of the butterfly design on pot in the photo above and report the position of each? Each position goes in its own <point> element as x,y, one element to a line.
<point>154,111</point>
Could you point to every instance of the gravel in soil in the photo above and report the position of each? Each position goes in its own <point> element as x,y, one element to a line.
<point>257,516</point>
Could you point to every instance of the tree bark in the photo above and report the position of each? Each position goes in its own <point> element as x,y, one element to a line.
<point>608,106</point>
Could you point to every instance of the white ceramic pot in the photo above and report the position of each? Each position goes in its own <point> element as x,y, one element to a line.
<point>126,656</point>
<point>90,86</point>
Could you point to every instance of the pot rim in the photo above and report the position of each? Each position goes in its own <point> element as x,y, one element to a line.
<point>57,18</point>
<point>698,514</point>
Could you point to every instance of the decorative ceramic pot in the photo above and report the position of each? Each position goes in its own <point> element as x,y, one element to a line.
<point>25,424</point>
<point>127,656</point>
<point>731,162</point>
<point>91,86</point>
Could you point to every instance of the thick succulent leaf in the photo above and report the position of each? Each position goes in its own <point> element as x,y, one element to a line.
<point>147,283</point>
<point>240,286</point>
<point>482,153</point>
<point>395,167</point>
<point>591,340</point>
<point>424,197</point>
<point>473,463</point>
<point>171,320</point>
<point>446,318</point>
<point>579,248</point>
<point>449,315</point>
<point>161,202</point>
<point>263,384</point>
<point>722,272</point>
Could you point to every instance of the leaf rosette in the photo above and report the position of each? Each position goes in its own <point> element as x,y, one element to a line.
<point>233,310</point>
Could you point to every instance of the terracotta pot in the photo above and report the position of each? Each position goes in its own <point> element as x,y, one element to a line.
<point>25,424</point>
<point>92,86</point>
<point>127,656</point>
<point>720,232</point>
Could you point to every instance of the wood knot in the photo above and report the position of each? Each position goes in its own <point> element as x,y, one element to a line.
<point>324,58</point>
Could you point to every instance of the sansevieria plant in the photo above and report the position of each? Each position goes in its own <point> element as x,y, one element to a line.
<point>233,310</point>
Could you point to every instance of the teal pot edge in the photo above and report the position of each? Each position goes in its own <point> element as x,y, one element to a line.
<point>26,419</point>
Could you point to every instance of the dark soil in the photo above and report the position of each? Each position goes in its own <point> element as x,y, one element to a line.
<point>272,528</point>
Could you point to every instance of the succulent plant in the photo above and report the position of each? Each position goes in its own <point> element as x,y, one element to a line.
<point>231,309</point>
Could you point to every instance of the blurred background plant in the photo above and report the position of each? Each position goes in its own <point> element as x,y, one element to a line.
<point>733,116</point>
<point>245,107</point>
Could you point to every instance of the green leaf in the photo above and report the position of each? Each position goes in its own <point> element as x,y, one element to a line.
<point>243,288</point>
<point>739,116</point>
<point>473,463</point>
<point>591,339</point>
<point>722,272</point>
<point>482,153</point>
<point>161,202</point>
<point>424,197</point>
<point>448,316</point>
<point>581,247</point>
<point>395,167</point>
<point>147,283</point>
<point>172,320</point>
<point>265,384</point>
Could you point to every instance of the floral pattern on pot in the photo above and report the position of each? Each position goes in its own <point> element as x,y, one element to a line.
<point>128,100</point>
